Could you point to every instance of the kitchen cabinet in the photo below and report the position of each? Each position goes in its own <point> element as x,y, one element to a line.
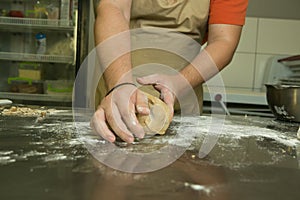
<point>38,49</point>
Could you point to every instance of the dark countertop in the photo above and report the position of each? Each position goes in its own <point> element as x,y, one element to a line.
<point>254,158</point>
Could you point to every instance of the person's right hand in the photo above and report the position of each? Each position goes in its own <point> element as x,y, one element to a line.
<point>117,114</point>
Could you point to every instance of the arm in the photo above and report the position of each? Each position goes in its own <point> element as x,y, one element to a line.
<point>112,17</point>
<point>221,45</point>
<point>225,24</point>
<point>117,111</point>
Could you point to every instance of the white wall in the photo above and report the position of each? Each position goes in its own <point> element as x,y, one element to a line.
<point>262,39</point>
<point>280,9</point>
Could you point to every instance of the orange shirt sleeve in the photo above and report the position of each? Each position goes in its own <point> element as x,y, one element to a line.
<point>228,12</point>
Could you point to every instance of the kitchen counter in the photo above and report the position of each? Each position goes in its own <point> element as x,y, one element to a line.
<point>42,157</point>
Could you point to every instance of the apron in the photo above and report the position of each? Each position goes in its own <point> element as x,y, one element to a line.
<point>184,16</point>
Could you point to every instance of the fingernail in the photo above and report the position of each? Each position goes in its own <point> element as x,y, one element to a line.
<point>111,138</point>
<point>141,136</point>
<point>144,110</point>
<point>140,133</point>
<point>139,109</point>
<point>134,123</point>
<point>130,139</point>
<point>147,110</point>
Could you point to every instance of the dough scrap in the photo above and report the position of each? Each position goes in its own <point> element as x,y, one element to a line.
<point>159,119</point>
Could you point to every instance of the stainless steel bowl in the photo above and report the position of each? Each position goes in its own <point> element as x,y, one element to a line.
<point>284,101</point>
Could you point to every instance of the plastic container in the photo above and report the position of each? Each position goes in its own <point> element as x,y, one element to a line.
<point>23,85</point>
<point>59,87</point>
<point>39,9</point>
<point>17,9</point>
<point>64,12</point>
<point>30,70</point>
<point>41,43</point>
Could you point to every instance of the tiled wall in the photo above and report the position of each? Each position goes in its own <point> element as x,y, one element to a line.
<point>261,40</point>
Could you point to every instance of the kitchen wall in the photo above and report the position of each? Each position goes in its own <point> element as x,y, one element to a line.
<point>271,31</point>
<point>282,9</point>
<point>263,40</point>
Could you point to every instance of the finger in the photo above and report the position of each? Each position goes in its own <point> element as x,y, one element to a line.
<point>99,125</point>
<point>142,106</point>
<point>148,80</point>
<point>129,118</point>
<point>169,98</point>
<point>153,80</point>
<point>116,123</point>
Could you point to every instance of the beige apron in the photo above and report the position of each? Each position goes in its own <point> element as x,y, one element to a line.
<point>184,16</point>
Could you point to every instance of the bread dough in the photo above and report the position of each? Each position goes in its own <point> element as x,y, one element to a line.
<point>158,121</point>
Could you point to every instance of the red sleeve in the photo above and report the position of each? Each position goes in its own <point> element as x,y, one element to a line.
<point>228,12</point>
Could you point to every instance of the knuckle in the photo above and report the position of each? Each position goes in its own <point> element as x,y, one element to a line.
<point>109,117</point>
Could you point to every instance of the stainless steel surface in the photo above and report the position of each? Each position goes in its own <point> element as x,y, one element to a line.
<point>284,101</point>
<point>255,158</point>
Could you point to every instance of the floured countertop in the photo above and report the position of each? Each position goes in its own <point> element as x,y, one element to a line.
<point>254,158</point>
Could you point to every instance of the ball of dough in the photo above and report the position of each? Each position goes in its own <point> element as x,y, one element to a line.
<point>158,121</point>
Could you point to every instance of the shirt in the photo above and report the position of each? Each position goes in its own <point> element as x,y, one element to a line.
<point>227,12</point>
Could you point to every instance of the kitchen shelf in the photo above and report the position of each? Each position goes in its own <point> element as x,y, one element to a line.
<point>37,97</point>
<point>26,56</point>
<point>35,57</point>
<point>31,23</point>
<point>291,61</point>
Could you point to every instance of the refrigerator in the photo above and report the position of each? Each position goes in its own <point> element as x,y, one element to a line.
<point>42,45</point>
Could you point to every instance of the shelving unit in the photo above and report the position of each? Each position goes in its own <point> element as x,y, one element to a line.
<point>36,97</point>
<point>54,61</point>
<point>293,64</point>
<point>35,57</point>
<point>292,61</point>
<point>36,23</point>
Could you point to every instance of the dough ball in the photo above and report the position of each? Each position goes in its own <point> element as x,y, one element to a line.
<point>158,121</point>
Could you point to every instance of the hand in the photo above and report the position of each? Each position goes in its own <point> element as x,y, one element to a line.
<point>118,112</point>
<point>165,84</point>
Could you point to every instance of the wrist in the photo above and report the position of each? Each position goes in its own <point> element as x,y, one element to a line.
<point>119,85</point>
<point>115,77</point>
<point>183,85</point>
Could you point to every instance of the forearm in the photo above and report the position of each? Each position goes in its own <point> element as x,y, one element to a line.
<point>111,20</point>
<point>216,55</point>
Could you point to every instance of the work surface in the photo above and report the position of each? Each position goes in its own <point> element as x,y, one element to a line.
<point>254,158</point>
